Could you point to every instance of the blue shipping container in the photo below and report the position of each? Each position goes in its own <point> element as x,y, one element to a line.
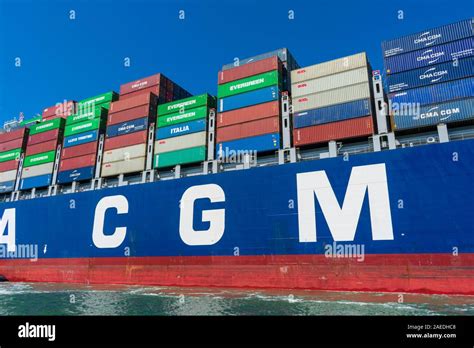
<point>457,89</point>
<point>243,100</point>
<point>332,113</point>
<point>127,127</point>
<point>429,38</point>
<point>78,174</point>
<point>7,186</point>
<point>35,181</point>
<point>260,143</point>
<point>82,138</point>
<point>181,129</point>
<point>426,57</point>
<point>427,76</point>
<point>459,110</point>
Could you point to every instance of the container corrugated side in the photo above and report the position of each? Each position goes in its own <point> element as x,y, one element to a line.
<point>439,93</point>
<point>181,129</point>
<point>77,162</point>
<point>79,150</point>
<point>140,84</point>
<point>9,165</point>
<point>36,181</point>
<point>98,100</point>
<point>155,90</point>
<point>181,142</point>
<point>259,143</point>
<point>251,69</point>
<point>455,111</point>
<point>353,128</point>
<point>127,127</point>
<point>46,126</point>
<point>282,53</point>
<point>126,140</point>
<point>7,186</point>
<point>243,100</point>
<point>430,56</point>
<point>41,147</point>
<point>41,169</point>
<point>431,75</point>
<point>183,105</point>
<point>39,158</point>
<point>87,115</point>
<point>77,174</point>
<point>335,66</point>
<point>123,167</point>
<point>326,83</point>
<point>54,134</point>
<point>429,38</point>
<point>60,109</point>
<point>185,156</point>
<point>248,114</point>
<point>248,84</point>
<point>248,129</point>
<point>8,176</point>
<point>175,118</point>
<point>14,134</point>
<point>83,138</point>
<point>125,104</point>
<point>130,114</point>
<point>9,155</point>
<point>124,153</point>
<point>12,144</point>
<point>332,113</point>
<point>332,97</point>
<point>86,126</point>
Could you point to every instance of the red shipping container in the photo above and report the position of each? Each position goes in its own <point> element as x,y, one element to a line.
<point>126,140</point>
<point>353,128</point>
<point>154,89</point>
<point>12,144</point>
<point>63,110</point>
<point>15,134</point>
<point>79,150</point>
<point>77,162</point>
<point>131,114</point>
<point>255,68</point>
<point>139,100</point>
<point>248,129</point>
<point>140,84</point>
<point>250,113</point>
<point>8,165</point>
<point>41,147</point>
<point>42,137</point>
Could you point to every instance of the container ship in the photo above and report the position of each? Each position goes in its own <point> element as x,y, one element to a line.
<point>332,176</point>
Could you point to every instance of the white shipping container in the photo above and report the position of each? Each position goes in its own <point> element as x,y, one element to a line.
<point>335,66</point>
<point>40,169</point>
<point>180,143</point>
<point>331,97</point>
<point>326,83</point>
<point>124,153</point>
<point>8,176</point>
<point>123,167</point>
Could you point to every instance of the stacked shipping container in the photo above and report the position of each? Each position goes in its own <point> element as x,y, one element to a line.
<point>65,109</point>
<point>181,135</point>
<point>332,101</point>
<point>40,155</point>
<point>81,138</point>
<point>430,76</point>
<point>129,120</point>
<point>12,145</point>
<point>249,107</point>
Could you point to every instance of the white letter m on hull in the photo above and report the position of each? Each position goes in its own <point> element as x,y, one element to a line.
<point>342,222</point>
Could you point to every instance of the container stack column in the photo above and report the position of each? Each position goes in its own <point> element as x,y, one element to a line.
<point>12,147</point>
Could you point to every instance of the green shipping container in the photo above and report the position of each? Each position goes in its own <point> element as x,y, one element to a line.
<point>168,159</point>
<point>249,84</point>
<point>31,120</point>
<point>98,100</point>
<point>97,112</point>
<point>186,104</point>
<point>10,155</point>
<point>85,126</point>
<point>46,126</point>
<point>39,158</point>
<point>191,115</point>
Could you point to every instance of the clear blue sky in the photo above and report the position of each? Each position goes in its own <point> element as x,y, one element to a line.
<point>75,59</point>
